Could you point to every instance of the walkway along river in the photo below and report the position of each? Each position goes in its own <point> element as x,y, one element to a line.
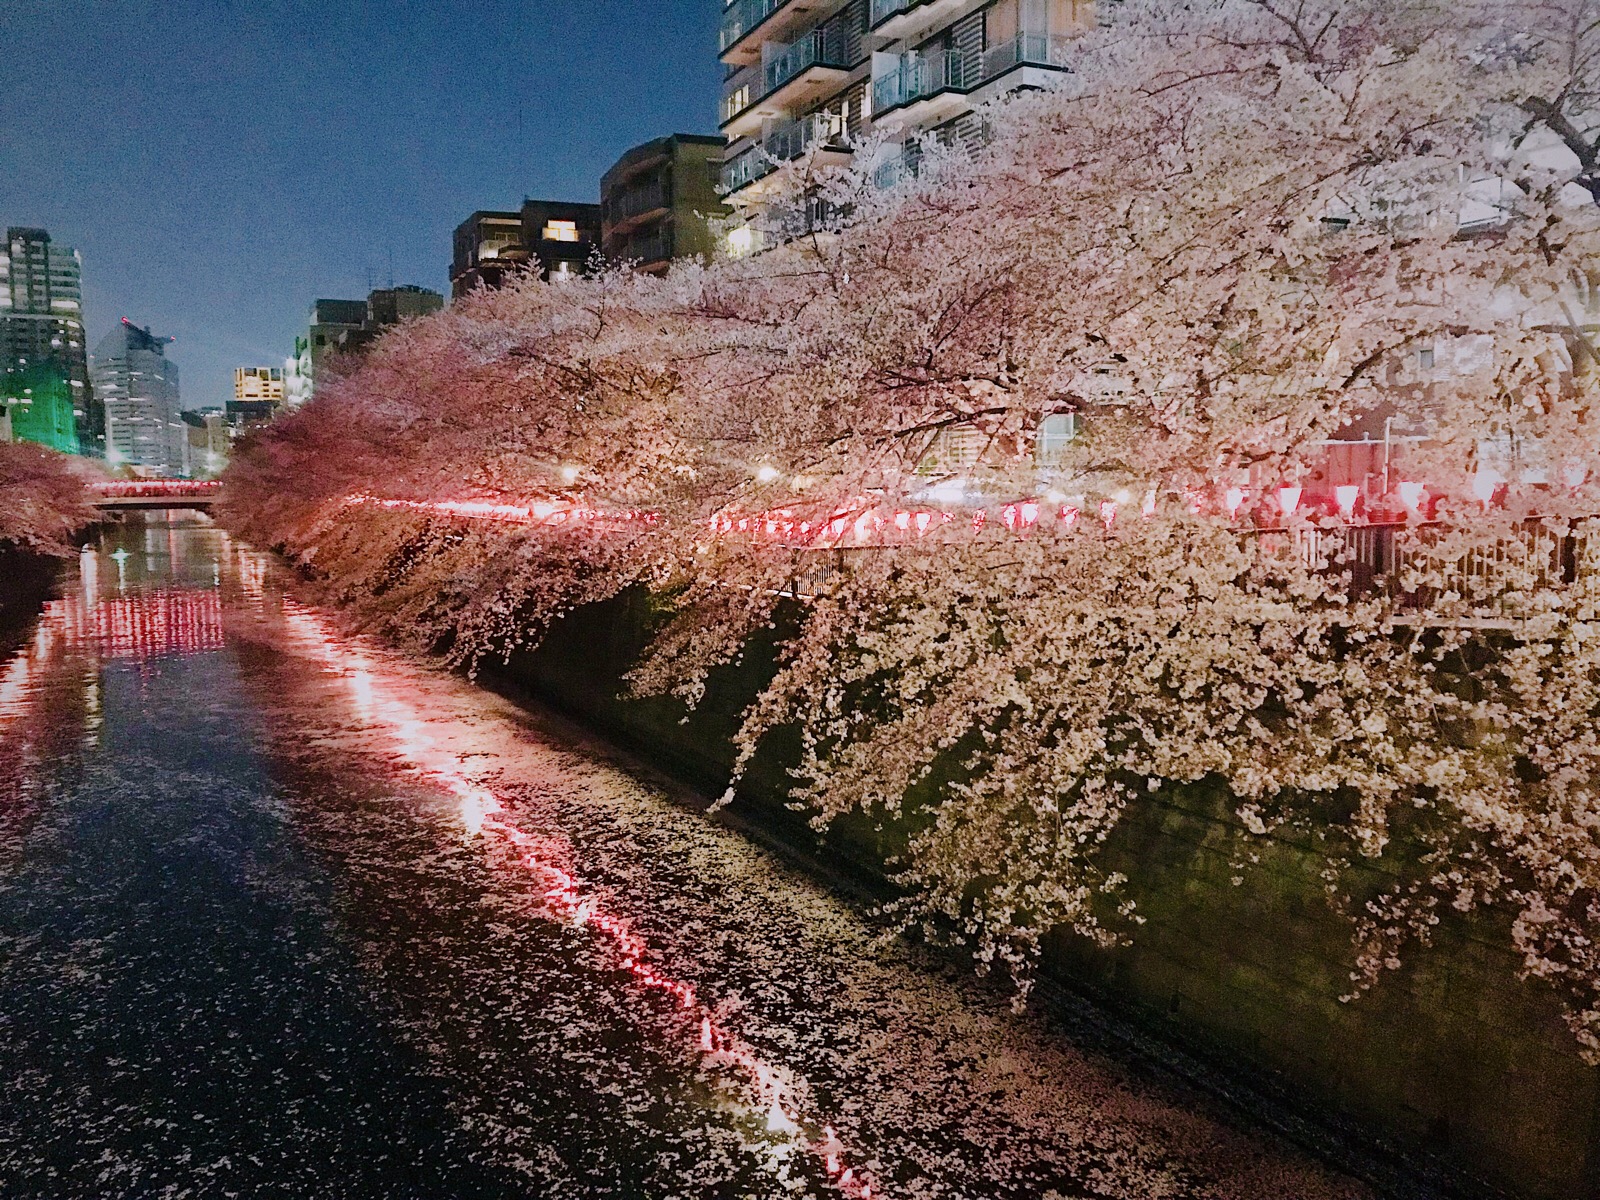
<point>284,915</point>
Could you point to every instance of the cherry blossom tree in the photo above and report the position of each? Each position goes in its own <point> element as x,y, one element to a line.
<point>1079,447</point>
<point>44,499</point>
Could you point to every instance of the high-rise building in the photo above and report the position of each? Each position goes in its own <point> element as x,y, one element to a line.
<point>297,375</point>
<point>561,237</point>
<point>41,325</point>
<point>658,198</point>
<point>821,74</point>
<point>138,386</point>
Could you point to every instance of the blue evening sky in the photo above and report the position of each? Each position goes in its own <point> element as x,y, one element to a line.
<point>222,163</point>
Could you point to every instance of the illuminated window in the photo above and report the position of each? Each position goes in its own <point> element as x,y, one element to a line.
<point>560,231</point>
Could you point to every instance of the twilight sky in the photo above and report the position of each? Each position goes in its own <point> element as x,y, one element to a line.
<point>222,163</point>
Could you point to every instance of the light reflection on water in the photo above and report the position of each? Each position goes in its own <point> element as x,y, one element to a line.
<point>283,915</point>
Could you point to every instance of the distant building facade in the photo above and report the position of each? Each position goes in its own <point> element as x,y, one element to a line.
<point>346,326</point>
<point>258,383</point>
<point>138,386</point>
<point>657,200</point>
<point>489,248</point>
<point>42,336</point>
<point>209,436</point>
<point>391,306</point>
<point>820,75</point>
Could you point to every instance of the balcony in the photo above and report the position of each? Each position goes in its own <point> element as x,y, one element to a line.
<point>742,18</point>
<point>790,76</point>
<point>896,18</point>
<point>940,81</point>
<point>785,141</point>
<point>775,20</point>
<point>637,203</point>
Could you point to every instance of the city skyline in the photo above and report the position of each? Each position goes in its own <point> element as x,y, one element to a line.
<point>288,212</point>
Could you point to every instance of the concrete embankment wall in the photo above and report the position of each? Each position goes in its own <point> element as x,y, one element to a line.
<point>1452,1055</point>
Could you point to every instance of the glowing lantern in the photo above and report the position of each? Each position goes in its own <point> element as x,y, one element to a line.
<point>863,523</point>
<point>1069,515</point>
<point>1148,509</point>
<point>1289,500</point>
<point>1009,516</point>
<point>923,521</point>
<point>902,521</point>
<point>1573,475</point>
<point>1411,495</point>
<point>836,526</point>
<point>1233,500</point>
<point>978,518</point>
<point>1108,513</point>
<point>767,474</point>
<point>1030,513</point>
<point>1346,494</point>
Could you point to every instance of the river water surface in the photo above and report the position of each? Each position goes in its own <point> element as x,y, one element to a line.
<point>282,914</point>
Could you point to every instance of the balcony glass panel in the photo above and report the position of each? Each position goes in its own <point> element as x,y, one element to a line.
<point>783,63</point>
<point>782,142</point>
<point>740,18</point>
<point>882,10</point>
<point>746,169</point>
<point>922,75</point>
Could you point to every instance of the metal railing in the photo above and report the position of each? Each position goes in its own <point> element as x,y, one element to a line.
<point>750,166</point>
<point>637,200</point>
<point>646,249</point>
<point>882,10</point>
<point>921,75</point>
<point>783,142</point>
<point>742,17</point>
<point>812,50</point>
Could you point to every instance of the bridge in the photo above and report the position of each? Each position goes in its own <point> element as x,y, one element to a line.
<point>143,495</point>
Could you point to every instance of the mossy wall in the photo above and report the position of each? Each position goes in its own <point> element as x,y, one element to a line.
<point>1452,1054</point>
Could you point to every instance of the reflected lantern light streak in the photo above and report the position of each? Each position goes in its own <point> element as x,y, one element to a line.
<point>483,814</point>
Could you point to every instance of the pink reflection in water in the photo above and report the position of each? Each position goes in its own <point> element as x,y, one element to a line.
<point>547,861</point>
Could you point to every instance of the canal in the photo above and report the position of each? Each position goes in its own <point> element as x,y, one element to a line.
<point>282,914</point>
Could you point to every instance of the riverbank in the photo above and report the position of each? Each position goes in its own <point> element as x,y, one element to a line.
<point>1452,1078</point>
<point>30,579</point>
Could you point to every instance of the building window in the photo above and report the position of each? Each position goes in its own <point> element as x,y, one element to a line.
<point>1425,359</point>
<point>560,231</point>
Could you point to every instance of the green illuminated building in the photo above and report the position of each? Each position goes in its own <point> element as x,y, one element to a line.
<point>39,400</point>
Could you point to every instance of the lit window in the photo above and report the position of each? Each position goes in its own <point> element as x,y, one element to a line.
<point>741,241</point>
<point>560,231</point>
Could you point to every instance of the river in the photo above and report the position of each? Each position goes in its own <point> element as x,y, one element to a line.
<point>284,914</point>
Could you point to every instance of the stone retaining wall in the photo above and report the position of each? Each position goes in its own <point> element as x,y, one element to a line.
<point>1451,1056</point>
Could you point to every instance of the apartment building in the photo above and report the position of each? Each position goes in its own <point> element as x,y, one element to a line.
<point>491,247</point>
<point>657,199</point>
<point>42,329</point>
<point>821,75</point>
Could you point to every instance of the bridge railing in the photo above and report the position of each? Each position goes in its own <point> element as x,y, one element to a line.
<point>157,489</point>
